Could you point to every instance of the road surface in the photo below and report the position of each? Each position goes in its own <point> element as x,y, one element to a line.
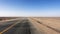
<point>16,27</point>
<point>25,26</point>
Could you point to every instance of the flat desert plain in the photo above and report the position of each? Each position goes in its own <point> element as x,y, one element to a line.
<point>53,22</point>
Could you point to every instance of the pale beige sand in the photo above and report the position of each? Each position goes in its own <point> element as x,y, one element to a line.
<point>42,28</point>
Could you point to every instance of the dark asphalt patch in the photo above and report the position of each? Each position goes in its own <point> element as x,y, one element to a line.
<point>21,28</point>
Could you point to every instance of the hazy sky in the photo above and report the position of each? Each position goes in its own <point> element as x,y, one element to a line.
<point>30,8</point>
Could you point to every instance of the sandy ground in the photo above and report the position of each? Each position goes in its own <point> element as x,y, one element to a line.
<point>43,29</point>
<point>52,22</point>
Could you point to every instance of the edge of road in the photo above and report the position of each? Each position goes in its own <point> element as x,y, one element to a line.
<point>9,20</point>
<point>1,22</point>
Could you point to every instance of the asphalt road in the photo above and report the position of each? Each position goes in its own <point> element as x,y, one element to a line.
<point>23,27</point>
<point>6,25</point>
